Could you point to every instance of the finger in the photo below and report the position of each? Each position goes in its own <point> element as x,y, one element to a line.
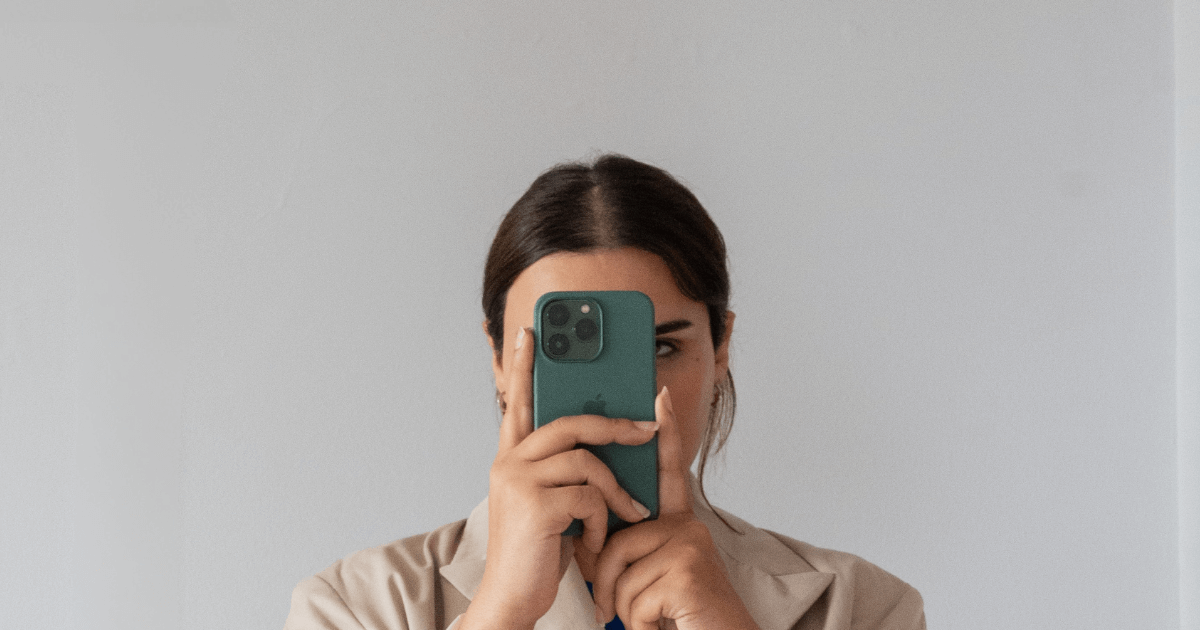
<point>518,395</point>
<point>674,493</point>
<point>642,592</point>
<point>587,504</point>
<point>568,432</point>
<point>580,467</point>
<point>622,550</point>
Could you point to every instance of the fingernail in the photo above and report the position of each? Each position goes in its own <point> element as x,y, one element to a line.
<point>520,338</point>
<point>667,400</point>
<point>640,508</point>
<point>646,425</point>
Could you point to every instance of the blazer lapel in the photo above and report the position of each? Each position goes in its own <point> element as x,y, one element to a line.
<point>777,585</point>
<point>572,607</point>
<point>465,571</point>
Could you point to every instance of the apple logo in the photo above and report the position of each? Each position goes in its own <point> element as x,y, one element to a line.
<point>595,407</point>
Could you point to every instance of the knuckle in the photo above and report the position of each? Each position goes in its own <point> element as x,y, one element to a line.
<point>643,608</point>
<point>580,499</point>
<point>597,473</point>
<point>691,555</point>
<point>696,530</point>
<point>565,425</point>
<point>594,495</point>
<point>580,459</point>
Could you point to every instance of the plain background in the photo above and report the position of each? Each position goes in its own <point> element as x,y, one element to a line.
<point>241,247</point>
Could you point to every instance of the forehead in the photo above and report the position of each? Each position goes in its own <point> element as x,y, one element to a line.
<point>623,269</point>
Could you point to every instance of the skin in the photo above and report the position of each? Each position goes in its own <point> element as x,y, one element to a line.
<point>653,574</point>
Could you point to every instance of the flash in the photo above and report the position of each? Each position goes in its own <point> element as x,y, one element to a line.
<point>585,309</point>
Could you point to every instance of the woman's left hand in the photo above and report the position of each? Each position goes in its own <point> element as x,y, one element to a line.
<point>653,573</point>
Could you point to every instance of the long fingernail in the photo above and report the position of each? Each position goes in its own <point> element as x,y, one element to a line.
<point>520,338</point>
<point>646,425</point>
<point>640,508</point>
<point>667,399</point>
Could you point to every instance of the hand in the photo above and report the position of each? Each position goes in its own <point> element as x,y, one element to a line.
<point>667,572</point>
<point>540,482</point>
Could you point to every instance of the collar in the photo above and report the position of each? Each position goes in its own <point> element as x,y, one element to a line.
<point>774,582</point>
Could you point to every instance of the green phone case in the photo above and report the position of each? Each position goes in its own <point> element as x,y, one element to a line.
<point>618,382</point>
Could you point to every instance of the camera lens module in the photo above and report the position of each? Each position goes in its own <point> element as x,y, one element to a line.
<point>558,344</point>
<point>558,314</point>
<point>585,329</point>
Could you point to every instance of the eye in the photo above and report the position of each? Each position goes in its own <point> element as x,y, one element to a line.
<point>664,348</point>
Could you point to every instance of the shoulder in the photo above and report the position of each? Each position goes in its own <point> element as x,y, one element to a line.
<point>861,594</point>
<point>393,586</point>
<point>413,558</point>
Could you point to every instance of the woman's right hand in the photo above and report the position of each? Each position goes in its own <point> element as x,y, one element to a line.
<point>541,481</point>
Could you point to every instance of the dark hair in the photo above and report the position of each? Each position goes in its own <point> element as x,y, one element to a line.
<point>618,202</point>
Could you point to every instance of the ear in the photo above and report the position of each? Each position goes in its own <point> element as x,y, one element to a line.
<point>497,365</point>
<point>721,353</point>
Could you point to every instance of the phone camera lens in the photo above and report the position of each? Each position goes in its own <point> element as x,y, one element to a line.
<point>558,314</point>
<point>558,344</point>
<point>585,329</point>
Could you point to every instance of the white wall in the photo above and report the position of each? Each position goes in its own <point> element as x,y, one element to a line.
<point>1187,282</point>
<point>241,249</point>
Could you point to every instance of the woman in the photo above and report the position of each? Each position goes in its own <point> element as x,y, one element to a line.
<point>615,225</point>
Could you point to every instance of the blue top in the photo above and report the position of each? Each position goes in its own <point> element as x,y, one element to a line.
<point>615,624</point>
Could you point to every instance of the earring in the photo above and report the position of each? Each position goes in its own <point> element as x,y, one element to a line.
<point>719,391</point>
<point>500,402</point>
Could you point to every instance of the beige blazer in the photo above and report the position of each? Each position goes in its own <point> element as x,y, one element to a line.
<point>425,582</point>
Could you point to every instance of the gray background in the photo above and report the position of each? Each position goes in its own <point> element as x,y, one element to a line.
<point>241,248</point>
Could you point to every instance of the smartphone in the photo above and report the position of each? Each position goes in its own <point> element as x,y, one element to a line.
<point>595,355</point>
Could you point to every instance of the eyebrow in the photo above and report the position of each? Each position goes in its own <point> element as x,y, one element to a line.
<point>671,326</point>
